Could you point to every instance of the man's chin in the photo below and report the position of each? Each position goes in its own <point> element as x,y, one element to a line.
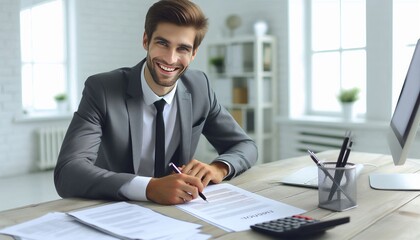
<point>166,82</point>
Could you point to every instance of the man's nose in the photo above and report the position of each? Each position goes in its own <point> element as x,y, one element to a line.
<point>172,56</point>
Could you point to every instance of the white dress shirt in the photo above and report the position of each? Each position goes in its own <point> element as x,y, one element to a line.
<point>136,189</point>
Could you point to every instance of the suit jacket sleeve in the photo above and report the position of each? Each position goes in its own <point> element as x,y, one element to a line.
<point>82,170</point>
<point>231,142</point>
<point>233,145</point>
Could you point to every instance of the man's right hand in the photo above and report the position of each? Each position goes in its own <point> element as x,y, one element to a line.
<point>173,189</point>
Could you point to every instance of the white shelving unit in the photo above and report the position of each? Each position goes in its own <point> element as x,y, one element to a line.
<point>246,85</point>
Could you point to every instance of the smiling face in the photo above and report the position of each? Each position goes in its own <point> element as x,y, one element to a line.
<point>169,53</point>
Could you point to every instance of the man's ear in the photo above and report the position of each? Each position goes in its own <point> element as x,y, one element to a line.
<point>145,41</point>
<point>194,53</point>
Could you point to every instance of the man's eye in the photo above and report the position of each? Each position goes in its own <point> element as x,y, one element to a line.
<point>163,43</point>
<point>184,49</point>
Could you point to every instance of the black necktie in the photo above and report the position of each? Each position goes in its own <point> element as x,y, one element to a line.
<point>159,139</point>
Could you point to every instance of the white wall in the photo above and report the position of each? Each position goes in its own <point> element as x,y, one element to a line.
<point>106,35</point>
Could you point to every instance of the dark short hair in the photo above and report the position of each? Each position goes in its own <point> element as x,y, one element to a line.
<point>178,12</point>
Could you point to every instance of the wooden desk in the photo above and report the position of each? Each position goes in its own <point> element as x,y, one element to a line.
<point>379,214</point>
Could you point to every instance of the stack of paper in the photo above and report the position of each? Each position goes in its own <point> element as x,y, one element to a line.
<point>134,222</point>
<point>114,221</point>
<point>228,207</point>
<point>54,226</point>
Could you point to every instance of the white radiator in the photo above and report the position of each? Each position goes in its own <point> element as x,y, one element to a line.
<point>296,139</point>
<point>49,144</point>
<point>319,139</point>
<point>297,136</point>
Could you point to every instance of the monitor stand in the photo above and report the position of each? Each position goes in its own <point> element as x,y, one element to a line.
<point>395,181</point>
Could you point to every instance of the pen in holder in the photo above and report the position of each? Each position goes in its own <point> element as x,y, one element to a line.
<point>338,194</point>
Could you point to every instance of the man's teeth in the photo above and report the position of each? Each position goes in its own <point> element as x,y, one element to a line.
<point>167,68</point>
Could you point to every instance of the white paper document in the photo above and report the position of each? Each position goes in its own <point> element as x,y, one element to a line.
<point>234,209</point>
<point>55,226</point>
<point>131,221</point>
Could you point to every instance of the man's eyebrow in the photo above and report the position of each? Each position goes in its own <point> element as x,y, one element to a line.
<point>160,39</point>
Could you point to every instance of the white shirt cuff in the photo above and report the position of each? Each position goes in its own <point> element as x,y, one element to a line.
<point>135,190</point>
<point>230,172</point>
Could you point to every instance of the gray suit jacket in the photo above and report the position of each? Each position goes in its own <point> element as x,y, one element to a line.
<point>104,136</point>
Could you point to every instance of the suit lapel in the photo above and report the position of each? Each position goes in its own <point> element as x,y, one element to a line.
<point>185,117</point>
<point>134,107</point>
<point>135,112</point>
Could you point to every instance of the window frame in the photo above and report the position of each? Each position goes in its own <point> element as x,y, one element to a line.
<point>379,80</point>
<point>30,110</point>
<point>309,53</point>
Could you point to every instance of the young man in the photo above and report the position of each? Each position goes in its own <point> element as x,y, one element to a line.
<point>109,148</point>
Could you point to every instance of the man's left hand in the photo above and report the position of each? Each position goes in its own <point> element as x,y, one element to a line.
<point>214,172</point>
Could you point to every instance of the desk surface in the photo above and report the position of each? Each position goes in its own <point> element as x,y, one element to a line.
<point>379,214</point>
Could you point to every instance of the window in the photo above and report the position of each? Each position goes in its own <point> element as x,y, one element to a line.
<point>43,55</point>
<point>375,46</point>
<point>337,53</point>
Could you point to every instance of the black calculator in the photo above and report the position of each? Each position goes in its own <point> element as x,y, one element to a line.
<point>297,226</point>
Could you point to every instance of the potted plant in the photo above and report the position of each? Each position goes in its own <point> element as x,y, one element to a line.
<point>61,100</point>
<point>218,62</point>
<point>60,97</point>
<point>347,97</point>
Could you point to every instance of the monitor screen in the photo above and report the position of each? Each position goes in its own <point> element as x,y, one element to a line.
<point>405,119</point>
<point>403,129</point>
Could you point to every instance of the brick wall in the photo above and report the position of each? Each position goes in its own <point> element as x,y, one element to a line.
<point>14,141</point>
<point>107,35</point>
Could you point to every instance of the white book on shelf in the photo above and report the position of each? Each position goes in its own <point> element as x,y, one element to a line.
<point>223,89</point>
<point>234,59</point>
<point>266,91</point>
<point>251,91</point>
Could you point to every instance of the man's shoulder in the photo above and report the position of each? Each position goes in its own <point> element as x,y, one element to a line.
<point>194,73</point>
<point>113,74</point>
<point>195,82</point>
<point>118,72</point>
<point>193,77</point>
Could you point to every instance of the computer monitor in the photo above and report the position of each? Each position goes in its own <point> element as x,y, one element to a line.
<point>402,131</point>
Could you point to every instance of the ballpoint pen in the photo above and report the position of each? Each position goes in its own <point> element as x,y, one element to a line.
<point>338,175</point>
<point>343,149</point>
<point>175,168</point>
<point>347,153</point>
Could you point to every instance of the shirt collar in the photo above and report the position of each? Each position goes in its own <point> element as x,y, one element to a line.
<point>149,96</point>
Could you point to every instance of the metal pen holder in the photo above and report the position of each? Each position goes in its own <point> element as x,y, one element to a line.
<point>337,186</point>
